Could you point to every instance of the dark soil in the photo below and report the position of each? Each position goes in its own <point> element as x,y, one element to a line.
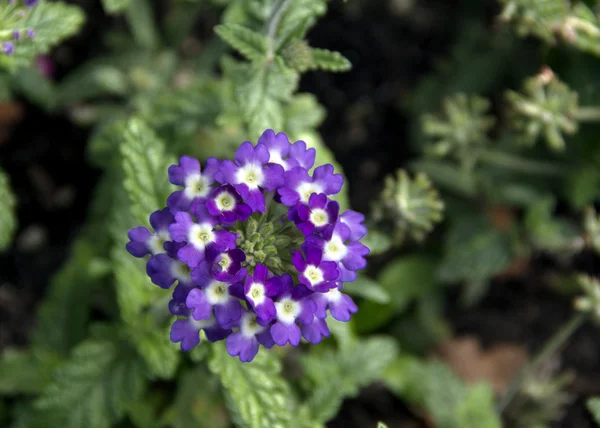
<point>390,52</point>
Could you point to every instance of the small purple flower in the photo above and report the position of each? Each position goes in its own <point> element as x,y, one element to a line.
<point>197,184</point>
<point>258,291</point>
<point>222,266</point>
<point>316,274</point>
<point>164,271</point>
<point>250,173</point>
<point>16,35</point>
<point>320,213</point>
<point>245,342</point>
<point>216,296</point>
<point>8,48</point>
<point>316,331</point>
<point>199,237</point>
<point>299,186</point>
<point>30,33</point>
<point>341,306</point>
<point>226,204</point>
<point>187,331</point>
<point>144,242</point>
<point>305,157</point>
<point>292,305</point>
<point>354,221</point>
<point>338,247</point>
<point>31,3</point>
<point>177,304</point>
<point>279,149</point>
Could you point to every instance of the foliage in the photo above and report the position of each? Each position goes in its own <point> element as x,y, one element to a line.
<point>8,217</point>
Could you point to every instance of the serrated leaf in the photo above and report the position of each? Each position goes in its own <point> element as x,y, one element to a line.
<point>299,17</point>
<point>323,59</point>
<point>256,394</point>
<point>593,405</point>
<point>115,6</point>
<point>249,43</point>
<point>340,374</point>
<point>368,288</point>
<point>26,371</point>
<point>156,349</point>
<point>8,218</point>
<point>52,23</point>
<point>145,167</point>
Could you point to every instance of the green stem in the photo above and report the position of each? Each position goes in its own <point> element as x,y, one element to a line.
<point>273,25</point>
<point>527,166</point>
<point>550,348</point>
<point>587,114</point>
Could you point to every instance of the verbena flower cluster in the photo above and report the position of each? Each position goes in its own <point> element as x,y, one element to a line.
<point>257,248</point>
<point>10,34</point>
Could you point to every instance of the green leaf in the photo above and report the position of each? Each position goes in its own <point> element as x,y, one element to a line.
<point>37,88</point>
<point>256,394</point>
<point>92,389</point>
<point>546,231</point>
<point>156,349</point>
<point>477,409</point>
<point>141,21</point>
<point>8,217</point>
<point>145,166</point>
<point>52,22</point>
<point>367,288</point>
<point>340,374</point>
<point>303,113</point>
<point>115,6</point>
<point>593,405</point>
<point>249,43</point>
<point>377,241</point>
<point>299,17</point>
<point>26,371</point>
<point>323,59</point>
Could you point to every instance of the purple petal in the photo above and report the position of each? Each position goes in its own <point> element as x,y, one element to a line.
<point>226,173</point>
<point>343,308</point>
<point>306,315</point>
<point>196,300</point>
<point>266,311</point>
<point>354,259</point>
<point>245,347</point>
<point>273,176</point>
<point>272,286</point>
<point>301,291</point>
<point>224,240</point>
<point>313,256</point>
<point>190,255</point>
<point>305,157</point>
<point>228,313</point>
<point>296,176</point>
<point>283,333</point>
<point>320,305</point>
<point>288,196</point>
<point>242,211</point>
<point>245,153</point>
<point>298,261</point>
<point>316,331</point>
<point>158,269</point>
<point>202,274</point>
<point>180,229</point>
<point>215,333</point>
<point>278,142</point>
<point>260,273</point>
<point>265,338</point>
<point>256,200</point>
<point>354,221</point>
<point>330,270</point>
<point>160,220</point>
<point>331,183</point>
<point>187,166</point>
<point>317,200</point>
<point>210,168</point>
<point>183,331</point>
<point>346,275</point>
<point>178,201</point>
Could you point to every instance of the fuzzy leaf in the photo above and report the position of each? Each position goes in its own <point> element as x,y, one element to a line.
<point>367,288</point>
<point>115,6</point>
<point>26,371</point>
<point>341,374</point>
<point>52,23</point>
<point>145,166</point>
<point>593,405</point>
<point>299,17</point>
<point>256,394</point>
<point>249,43</point>
<point>8,218</point>
<point>477,409</point>
<point>92,389</point>
<point>323,59</point>
<point>153,345</point>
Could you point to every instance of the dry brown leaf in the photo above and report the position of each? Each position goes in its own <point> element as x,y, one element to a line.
<point>497,365</point>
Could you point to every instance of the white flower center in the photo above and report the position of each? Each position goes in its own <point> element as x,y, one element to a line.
<point>155,242</point>
<point>196,186</point>
<point>287,310</point>
<point>217,293</point>
<point>225,202</point>
<point>333,295</point>
<point>225,261</point>
<point>314,274</point>
<point>180,271</point>
<point>319,217</point>
<point>307,189</point>
<point>200,235</point>
<point>249,327</point>
<point>276,158</point>
<point>256,293</point>
<point>251,175</point>
<point>198,325</point>
<point>335,250</point>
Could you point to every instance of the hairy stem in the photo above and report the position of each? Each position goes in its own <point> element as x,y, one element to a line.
<point>550,348</point>
<point>273,25</point>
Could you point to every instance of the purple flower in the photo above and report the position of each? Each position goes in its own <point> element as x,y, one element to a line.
<point>30,33</point>
<point>216,296</point>
<point>354,221</point>
<point>187,331</point>
<point>292,306</point>
<point>305,157</point>
<point>279,148</point>
<point>316,331</point>
<point>199,237</point>
<point>341,306</point>
<point>164,271</point>
<point>299,186</point>
<point>316,274</point>
<point>144,242</point>
<point>31,3</point>
<point>250,173</point>
<point>338,247</point>
<point>8,48</point>
<point>245,342</point>
<point>226,204</point>
<point>177,304</point>
<point>222,266</point>
<point>320,213</point>
<point>258,291</point>
<point>196,184</point>
<point>16,35</point>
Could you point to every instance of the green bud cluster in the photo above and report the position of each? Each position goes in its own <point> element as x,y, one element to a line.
<point>298,55</point>
<point>590,301</point>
